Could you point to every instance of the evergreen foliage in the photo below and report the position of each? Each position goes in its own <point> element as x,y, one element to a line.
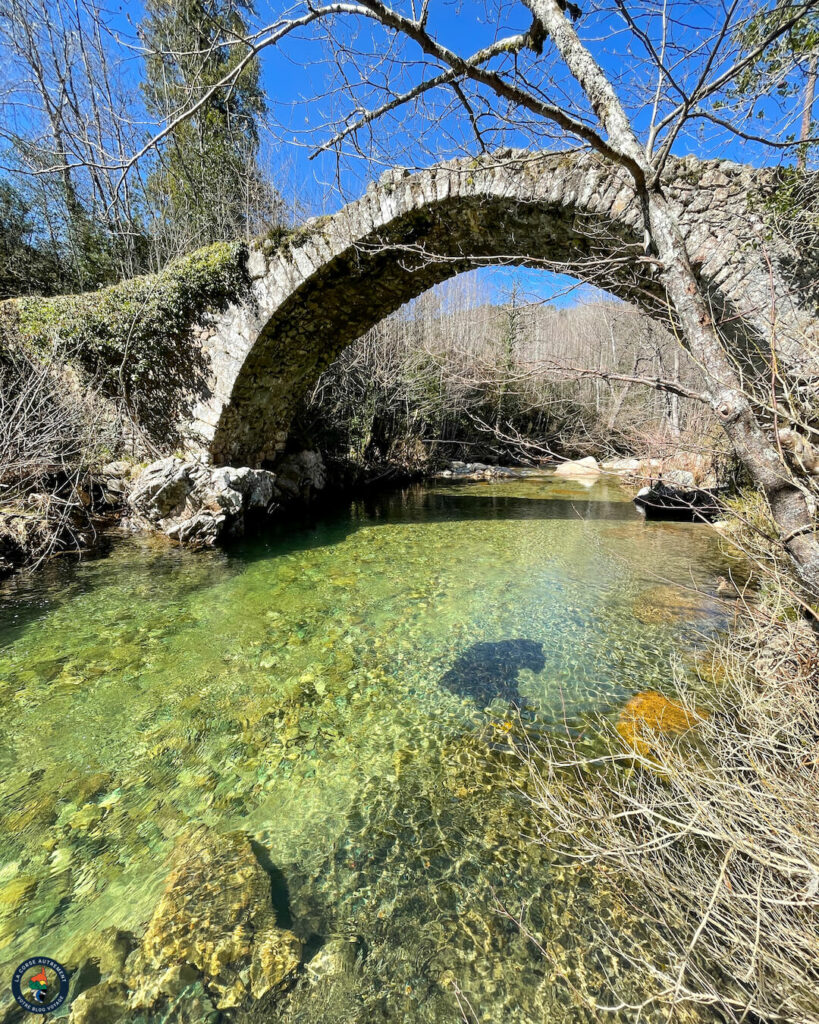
<point>207,184</point>
<point>27,264</point>
<point>134,339</point>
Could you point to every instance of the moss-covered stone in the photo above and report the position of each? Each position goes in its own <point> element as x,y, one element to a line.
<point>135,339</point>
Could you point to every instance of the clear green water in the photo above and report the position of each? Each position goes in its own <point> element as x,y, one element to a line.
<point>313,689</point>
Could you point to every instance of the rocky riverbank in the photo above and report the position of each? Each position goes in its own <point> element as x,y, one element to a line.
<point>187,501</point>
<point>200,506</point>
<point>683,469</point>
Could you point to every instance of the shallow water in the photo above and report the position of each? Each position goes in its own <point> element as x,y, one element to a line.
<point>335,690</point>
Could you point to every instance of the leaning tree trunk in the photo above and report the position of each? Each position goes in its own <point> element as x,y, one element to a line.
<point>760,456</point>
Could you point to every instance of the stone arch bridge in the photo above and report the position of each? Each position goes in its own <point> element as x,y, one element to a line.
<point>321,288</point>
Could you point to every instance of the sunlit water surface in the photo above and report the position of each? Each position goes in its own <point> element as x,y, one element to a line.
<point>323,689</point>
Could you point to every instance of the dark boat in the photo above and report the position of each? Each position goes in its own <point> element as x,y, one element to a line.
<point>678,505</point>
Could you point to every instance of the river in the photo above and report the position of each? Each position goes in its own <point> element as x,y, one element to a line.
<point>336,690</point>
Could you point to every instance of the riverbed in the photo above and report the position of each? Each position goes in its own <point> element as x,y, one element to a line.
<point>339,690</point>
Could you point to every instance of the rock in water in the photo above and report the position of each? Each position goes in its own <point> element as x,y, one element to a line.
<point>197,505</point>
<point>102,1004</point>
<point>216,916</point>
<point>580,467</point>
<point>489,670</point>
<point>649,714</point>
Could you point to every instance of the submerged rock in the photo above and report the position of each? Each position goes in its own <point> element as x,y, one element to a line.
<point>108,949</point>
<point>649,714</point>
<point>664,604</point>
<point>336,957</point>
<point>488,670</point>
<point>216,914</point>
<point>211,944</point>
<point>103,1004</point>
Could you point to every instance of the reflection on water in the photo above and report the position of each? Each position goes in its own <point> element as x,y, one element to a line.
<point>322,690</point>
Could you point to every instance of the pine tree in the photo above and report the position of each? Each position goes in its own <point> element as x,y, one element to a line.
<point>207,185</point>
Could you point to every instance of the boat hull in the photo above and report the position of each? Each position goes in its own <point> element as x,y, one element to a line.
<point>676,505</point>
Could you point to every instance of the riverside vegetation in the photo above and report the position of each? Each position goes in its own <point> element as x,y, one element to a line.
<point>454,375</point>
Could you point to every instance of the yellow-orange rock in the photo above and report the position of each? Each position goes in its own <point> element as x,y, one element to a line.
<point>664,605</point>
<point>216,915</point>
<point>648,714</point>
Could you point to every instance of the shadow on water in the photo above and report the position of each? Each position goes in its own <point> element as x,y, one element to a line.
<point>279,889</point>
<point>415,506</point>
<point>488,670</point>
<point>435,506</point>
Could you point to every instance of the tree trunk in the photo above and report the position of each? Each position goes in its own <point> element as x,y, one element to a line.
<point>759,456</point>
<point>675,399</point>
<point>807,110</point>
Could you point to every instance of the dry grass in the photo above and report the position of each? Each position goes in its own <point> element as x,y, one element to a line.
<point>52,432</point>
<point>710,829</point>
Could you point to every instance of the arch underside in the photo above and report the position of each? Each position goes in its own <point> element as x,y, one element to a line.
<point>376,274</point>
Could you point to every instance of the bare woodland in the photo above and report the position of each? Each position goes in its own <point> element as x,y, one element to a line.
<point>452,377</point>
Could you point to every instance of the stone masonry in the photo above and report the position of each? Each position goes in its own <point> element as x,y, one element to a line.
<point>321,288</point>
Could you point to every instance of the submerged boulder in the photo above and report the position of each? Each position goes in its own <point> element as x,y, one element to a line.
<point>103,1004</point>
<point>665,604</point>
<point>216,915</point>
<point>649,714</point>
<point>212,943</point>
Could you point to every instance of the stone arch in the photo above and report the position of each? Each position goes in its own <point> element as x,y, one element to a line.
<point>323,287</point>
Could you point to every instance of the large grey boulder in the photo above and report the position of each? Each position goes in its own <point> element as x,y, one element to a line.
<point>196,504</point>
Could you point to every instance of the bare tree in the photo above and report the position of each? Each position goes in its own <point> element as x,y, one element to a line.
<point>69,115</point>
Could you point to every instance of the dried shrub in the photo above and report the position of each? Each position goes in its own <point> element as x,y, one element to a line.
<point>52,432</point>
<point>710,834</point>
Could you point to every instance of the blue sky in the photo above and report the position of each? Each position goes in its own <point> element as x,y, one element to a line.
<point>295,75</point>
<point>301,79</point>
